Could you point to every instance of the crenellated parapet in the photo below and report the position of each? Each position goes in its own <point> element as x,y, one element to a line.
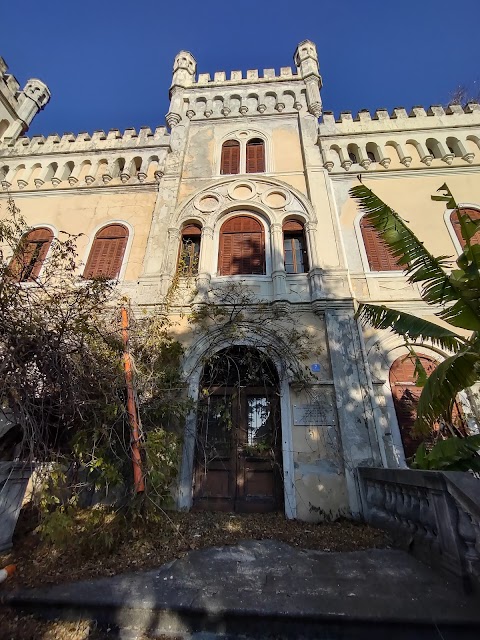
<point>97,141</point>
<point>254,93</point>
<point>85,159</point>
<point>432,136</point>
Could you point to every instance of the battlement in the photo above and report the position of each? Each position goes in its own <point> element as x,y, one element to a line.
<point>81,142</point>
<point>251,76</point>
<point>400,119</point>
<point>9,85</point>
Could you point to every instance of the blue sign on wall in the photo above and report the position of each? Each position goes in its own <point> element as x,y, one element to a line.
<point>315,368</point>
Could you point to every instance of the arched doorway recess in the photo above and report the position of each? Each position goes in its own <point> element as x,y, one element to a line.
<point>238,451</point>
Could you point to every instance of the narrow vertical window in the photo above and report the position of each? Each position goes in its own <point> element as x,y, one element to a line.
<point>255,156</point>
<point>242,247</point>
<point>294,247</point>
<point>31,254</point>
<point>474,214</point>
<point>380,257</point>
<point>106,255</point>
<point>230,162</point>
<point>189,250</point>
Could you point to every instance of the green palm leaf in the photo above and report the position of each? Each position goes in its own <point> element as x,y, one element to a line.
<point>454,374</point>
<point>409,326</point>
<point>438,288</point>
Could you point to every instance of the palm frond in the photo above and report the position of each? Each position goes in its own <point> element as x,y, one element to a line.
<point>454,374</point>
<point>408,326</point>
<point>409,251</point>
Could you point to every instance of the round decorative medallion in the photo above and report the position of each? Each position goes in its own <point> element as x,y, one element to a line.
<point>207,202</point>
<point>242,190</point>
<point>276,198</point>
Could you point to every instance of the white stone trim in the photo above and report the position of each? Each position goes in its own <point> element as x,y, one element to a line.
<point>364,256</point>
<point>244,209</point>
<point>243,136</point>
<point>192,370</point>
<point>126,255</point>
<point>449,225</point>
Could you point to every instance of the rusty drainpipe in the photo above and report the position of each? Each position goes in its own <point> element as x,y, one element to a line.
<point>132,409</point>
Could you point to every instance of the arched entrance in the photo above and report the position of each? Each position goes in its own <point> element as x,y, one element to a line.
<point>238,451</point>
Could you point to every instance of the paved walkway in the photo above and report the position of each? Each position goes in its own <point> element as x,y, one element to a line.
<point>271,586</point>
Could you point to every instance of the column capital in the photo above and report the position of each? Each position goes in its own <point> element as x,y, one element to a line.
<point>276,227</point>
<point>173,233</point>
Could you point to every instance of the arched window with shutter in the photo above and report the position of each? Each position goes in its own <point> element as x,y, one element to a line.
<point>406,393</point>
<point>242,247</point>
<point>28,261</point>
<point>230,161</point>
<point>189,250</point>
<point>106,255</point>
<point>255,156</point>
<point>380,258</point>
<point>474,214</point>
<point>294,247</point>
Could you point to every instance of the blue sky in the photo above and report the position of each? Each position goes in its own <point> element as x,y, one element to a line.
<point>108,64</point>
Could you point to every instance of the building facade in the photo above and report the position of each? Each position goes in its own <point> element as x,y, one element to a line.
<point>247,190</point>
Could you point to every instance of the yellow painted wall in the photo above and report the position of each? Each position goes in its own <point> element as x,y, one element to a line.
<point>85,212</point>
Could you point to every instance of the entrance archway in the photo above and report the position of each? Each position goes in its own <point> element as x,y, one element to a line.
<point>238,452</point>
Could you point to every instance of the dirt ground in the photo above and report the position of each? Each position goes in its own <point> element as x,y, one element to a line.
<point>40,564</point>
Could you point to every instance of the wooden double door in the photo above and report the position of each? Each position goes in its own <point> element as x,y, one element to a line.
<point>238,458</point>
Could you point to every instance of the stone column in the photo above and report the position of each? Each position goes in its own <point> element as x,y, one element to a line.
<point>315,271</point>
<point>169,263</point>
<point>204,263</point>
<point>278,262</point>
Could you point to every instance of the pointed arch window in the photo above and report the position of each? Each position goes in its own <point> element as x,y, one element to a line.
<point>474,214</point>
<point>190,250</point>
<point>255,156</point>
<point>380,257</point>
<point>294,247</point>
<point>230,161</point>
<point>107,252</point>
<point>242,247</point>
<point>28,261</point>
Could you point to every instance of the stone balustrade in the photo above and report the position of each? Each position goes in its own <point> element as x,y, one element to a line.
<point>435,514</point>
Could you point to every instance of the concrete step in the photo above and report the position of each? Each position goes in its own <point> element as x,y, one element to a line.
<point>268,589</point>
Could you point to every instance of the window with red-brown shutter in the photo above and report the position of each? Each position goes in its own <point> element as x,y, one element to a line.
<point>106,255</point>
<point>474,214</point>
<point>380,257</point>
<point>242,247</point>
<point>294,247</point>
<point>28,261</point>
<point>230,162</point>
<point>406,393</point>
<point>255,156</point>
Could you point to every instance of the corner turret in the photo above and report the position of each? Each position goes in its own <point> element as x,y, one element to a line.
<point>184,69</point>
<point>18,108</point>
<point>306,61</point>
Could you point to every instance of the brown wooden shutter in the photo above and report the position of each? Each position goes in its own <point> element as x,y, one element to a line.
<point>255,156</point>
<point>106,255</point>
<point>242,247</point>
<point>230,161</point>
<point>33,250</point>
<point>474,215</point>
<point>379,255</point>
<point>405,394</point>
